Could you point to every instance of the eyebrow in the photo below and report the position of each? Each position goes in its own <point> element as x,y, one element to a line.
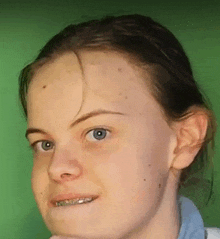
<point>82,118</point>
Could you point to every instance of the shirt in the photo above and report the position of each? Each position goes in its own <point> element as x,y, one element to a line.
<point>192,226</point>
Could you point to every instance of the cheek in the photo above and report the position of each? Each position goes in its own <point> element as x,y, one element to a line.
<point>39,183</point>
<point>138,170</point>
<point>130,186</point>
<point>128,172</point>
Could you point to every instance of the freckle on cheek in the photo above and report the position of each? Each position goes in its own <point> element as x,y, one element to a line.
<point>44,86</point>
<point>149,165</point>
<point>159,185</point>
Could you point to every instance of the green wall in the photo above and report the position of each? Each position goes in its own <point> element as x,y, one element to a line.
<point>25,26</point>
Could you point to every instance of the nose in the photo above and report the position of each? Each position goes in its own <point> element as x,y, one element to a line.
<point>64,166</point>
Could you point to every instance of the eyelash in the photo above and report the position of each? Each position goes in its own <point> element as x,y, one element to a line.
<point>33,145</point>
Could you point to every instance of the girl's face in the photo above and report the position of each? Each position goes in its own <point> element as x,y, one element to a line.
<point>103,135</point>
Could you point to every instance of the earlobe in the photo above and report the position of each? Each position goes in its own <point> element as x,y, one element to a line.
<point>190,135</point>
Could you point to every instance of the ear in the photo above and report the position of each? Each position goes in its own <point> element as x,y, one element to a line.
<point>190,135</point>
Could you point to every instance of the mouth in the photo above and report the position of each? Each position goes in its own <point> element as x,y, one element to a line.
<point>74,201</point>
<point>69,199</point>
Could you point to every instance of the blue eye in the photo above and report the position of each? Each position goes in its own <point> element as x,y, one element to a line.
<point>97,134</point>
<point>45,145</point>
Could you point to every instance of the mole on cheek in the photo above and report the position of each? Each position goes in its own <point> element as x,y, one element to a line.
<point>159,185</point>
<point>44,86</point>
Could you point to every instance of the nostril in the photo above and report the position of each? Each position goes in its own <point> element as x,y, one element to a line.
<point>65,174</point>
<point>68,177</point>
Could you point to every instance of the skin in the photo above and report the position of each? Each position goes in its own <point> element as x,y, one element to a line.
<point>129,169</point>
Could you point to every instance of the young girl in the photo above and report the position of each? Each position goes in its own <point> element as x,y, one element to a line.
<point>116,122</point>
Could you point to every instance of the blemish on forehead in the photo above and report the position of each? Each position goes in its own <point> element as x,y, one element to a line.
<point>119,69</point>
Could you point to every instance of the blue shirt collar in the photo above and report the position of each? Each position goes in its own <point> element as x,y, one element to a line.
<point>192,226</point>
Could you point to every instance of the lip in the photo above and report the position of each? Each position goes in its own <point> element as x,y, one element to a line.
<point>69,196</point>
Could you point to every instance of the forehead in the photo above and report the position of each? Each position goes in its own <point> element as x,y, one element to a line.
<point>105,79</point>
<point>53,72</point>
<point>112,77</point>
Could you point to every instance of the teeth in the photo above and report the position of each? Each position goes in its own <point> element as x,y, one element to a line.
<point>73,202</point>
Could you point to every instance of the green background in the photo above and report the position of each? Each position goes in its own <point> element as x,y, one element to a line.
<point>25,26</point>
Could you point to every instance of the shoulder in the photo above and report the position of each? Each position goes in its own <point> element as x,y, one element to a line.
<point>213,232</point>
